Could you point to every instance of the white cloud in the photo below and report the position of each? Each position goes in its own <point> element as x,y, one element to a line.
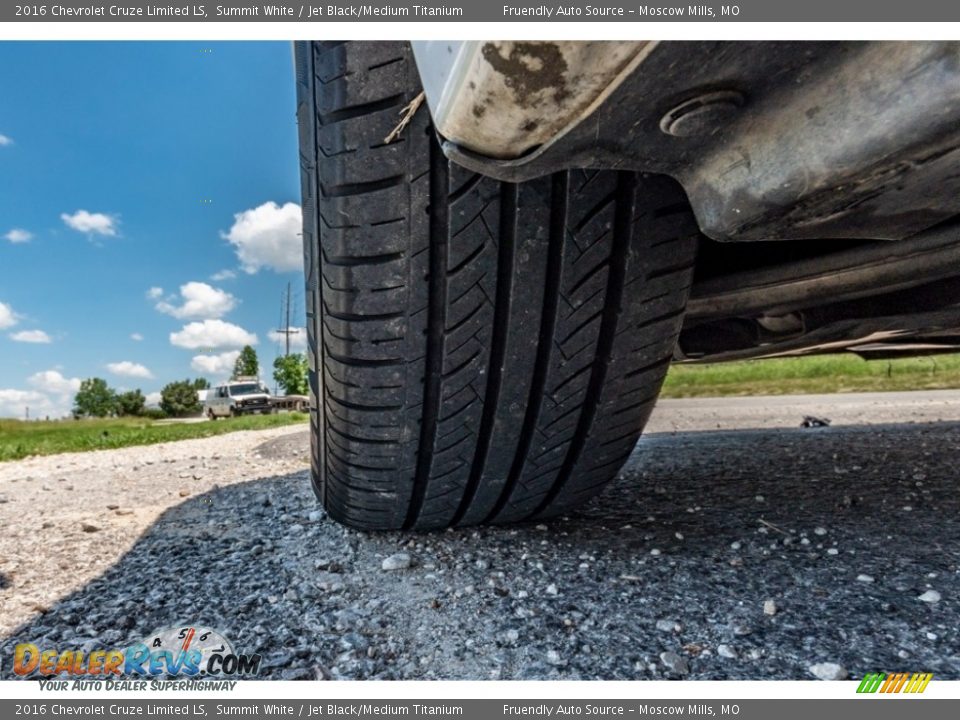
<point>30,336</point>
<point>8,318</point>
<point>125,368</point>
<point>223,275</point>
<point>136,336</point>
<point>212,334</point>
<point>53,381</point>
<point>5,140</point>
<point>155,293</point>
<point>19,235</point>
<point>199,301</point>
<point>268,236</point>
<point>153,398</point>
<point>297,341</point>
<point>91,223</point>
<point>217,365</point>
<point>14,403</point>
<point>52,396</point>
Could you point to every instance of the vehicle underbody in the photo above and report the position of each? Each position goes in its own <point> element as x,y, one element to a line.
<point>825,176</point>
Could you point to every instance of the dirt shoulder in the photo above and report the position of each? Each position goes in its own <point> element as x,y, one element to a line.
<point>70,516</point>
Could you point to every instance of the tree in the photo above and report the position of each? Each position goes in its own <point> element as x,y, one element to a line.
<point>131,403</point>
<point>247,363</point>
<point>180,398</point>
<point>94,399</point>
<point>201,384</point>
<point>290,372</point>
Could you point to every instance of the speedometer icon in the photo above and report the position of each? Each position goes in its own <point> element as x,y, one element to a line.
<point>182,639</point>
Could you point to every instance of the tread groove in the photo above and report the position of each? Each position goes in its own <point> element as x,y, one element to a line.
<point>498,344</point>
<point>559,192</point>
<point>436,314</point>
<point>465,188</point>
<point>623,210</point>
<point>361,109</point>
<point>361,188</point>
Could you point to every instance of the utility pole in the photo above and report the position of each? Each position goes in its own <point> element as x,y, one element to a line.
<point>287,331</point>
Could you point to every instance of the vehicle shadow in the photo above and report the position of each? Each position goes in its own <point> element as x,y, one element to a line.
<point>843,528</point>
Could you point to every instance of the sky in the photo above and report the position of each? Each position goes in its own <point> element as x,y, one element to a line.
<point>149,214</point>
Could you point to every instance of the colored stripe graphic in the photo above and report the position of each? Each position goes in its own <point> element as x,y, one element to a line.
<point>870,682</point>
<point>894,683</point>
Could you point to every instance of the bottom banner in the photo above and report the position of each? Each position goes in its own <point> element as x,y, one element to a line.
<point>871,706</point>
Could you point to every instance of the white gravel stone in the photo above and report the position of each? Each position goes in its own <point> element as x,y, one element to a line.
<point>674,662</point>
<point>930,596</point>
<point>769,607</point>
<point>829,671</point>
<point>399,561</point>
<point>666,625</point>
<point>865,578</point>
<point>725,651</point>
<point>819,531</point>
<point>552,589</point>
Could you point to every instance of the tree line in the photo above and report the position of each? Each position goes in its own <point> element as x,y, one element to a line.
<point>180,398</point>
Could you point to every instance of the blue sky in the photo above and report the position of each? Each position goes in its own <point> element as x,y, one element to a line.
<point>149,211</point>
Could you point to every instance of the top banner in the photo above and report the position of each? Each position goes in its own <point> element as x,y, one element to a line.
<point>898,11</point>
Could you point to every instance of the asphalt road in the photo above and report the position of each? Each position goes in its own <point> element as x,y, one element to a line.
<point>756,550</point>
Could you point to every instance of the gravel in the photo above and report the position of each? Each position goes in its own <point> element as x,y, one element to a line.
<point>397,561</point>
<point>250,553</point>
<point>675,663</point>
<point>829,671</point>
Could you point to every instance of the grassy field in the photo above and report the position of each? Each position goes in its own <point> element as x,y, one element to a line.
<point>807,375</point>
<point>782,376</point>
<point>20,439</point>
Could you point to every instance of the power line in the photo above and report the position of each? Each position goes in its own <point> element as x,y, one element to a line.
<point>287,331</point>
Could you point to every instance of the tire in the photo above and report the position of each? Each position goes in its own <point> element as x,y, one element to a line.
<point>480,351</point>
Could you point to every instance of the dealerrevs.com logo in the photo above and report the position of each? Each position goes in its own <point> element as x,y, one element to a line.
<point>187,651</point>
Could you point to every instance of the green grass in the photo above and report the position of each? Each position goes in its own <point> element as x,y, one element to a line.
<point>781,376</point>
<point>20,439</point>
<point>810,375</point>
